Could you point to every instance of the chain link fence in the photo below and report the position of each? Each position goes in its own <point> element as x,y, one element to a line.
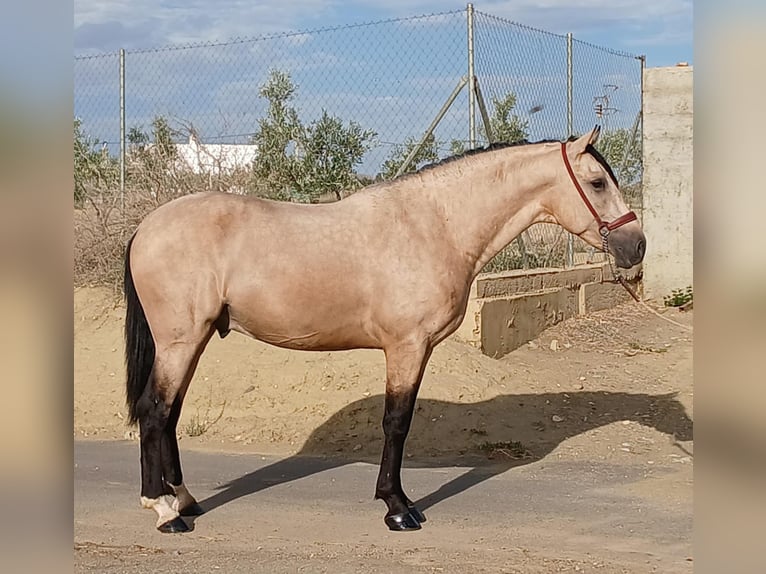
<point>395,78</point>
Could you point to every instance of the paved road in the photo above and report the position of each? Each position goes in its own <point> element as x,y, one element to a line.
<point>310,515</point>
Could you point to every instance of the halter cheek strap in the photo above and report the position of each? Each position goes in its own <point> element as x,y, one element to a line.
<point>604,227</point>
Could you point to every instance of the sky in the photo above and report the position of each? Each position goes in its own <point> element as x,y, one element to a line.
<point>659,29</point>
<point>391,77</point>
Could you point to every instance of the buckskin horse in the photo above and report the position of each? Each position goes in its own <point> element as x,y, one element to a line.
<point>389,267</point>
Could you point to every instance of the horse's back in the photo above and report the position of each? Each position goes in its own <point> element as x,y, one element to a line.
<point>229,235</point>
<point>202,215</point>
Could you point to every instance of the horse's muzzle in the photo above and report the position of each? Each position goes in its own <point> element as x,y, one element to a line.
<point>628,246</point>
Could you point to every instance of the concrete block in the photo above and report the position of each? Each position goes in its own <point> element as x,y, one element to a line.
<point>508,323</point>
<point>500,316</point>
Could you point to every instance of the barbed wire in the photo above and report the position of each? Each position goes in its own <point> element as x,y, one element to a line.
<point>612,51</point>
<point>265,37</point>
<point>520,26</point>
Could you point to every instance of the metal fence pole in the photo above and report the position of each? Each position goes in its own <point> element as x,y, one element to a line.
<point>570,130</point>
<point>122,128</point>
<point>640,128</point>
<point>471,76</point>
<point>570,115</point>
<point>431,128</point>
<point>483,112</point>
<point>629,144</point>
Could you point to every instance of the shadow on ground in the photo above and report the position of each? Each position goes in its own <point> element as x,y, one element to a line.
<point>465,434</point>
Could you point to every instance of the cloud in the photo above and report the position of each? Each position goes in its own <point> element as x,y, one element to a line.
<point>298,39</point>
<point>112,35</point>
<point>149,24</point>
<point>563,14</point>
<point>629,23</point>
<point>665,36</point>
<point>102,25</point>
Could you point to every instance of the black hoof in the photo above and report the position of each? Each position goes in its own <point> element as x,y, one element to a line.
<point>173,526</point>
<point>402,522</point>
<point>416,514</point>
<point>192,510</point>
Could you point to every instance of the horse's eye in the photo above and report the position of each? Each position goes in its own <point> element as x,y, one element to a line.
<point>598,184</point>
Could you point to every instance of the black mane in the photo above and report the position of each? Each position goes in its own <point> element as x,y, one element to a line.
<point>479,150</point>
<point>502,145</point>
<point>600,159</point>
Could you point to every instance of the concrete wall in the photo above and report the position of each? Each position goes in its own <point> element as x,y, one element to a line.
<point>506,310</point>
<point>668,179</point>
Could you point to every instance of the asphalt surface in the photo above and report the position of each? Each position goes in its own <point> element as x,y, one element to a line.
<point>298,514</point>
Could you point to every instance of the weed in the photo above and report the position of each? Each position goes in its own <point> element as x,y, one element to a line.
<point>510,449</point>
<point>679,297</point>
<point>197,426</point>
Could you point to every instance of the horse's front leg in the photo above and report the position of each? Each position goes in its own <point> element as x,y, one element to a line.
<point>405,364</point>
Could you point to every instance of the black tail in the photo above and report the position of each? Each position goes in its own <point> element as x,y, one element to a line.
<point>139,343</point>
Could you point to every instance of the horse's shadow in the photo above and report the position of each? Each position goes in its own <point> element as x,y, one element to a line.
<point>531,424</point>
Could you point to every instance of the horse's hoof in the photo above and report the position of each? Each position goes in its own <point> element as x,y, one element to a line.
<point>402,522</point>
<point>173,526</point>
<point>416,514</point>
<point>192,510</point>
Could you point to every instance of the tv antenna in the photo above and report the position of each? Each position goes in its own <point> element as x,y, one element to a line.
<point>602,104</point>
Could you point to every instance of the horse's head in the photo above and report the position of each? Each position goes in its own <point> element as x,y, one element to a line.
<point>587,202</point>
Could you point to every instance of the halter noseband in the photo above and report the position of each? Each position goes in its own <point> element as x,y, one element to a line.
<point>604,228</point>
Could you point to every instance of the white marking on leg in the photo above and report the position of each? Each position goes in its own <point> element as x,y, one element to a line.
<point>183,498</point>
<point>164,506</point>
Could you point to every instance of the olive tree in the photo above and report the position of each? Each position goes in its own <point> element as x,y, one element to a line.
<point>301,162</point>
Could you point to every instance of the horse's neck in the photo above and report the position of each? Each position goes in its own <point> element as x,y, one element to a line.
<point>488,201</point>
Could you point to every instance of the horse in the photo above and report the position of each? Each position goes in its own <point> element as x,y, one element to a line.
<point>389,267</point>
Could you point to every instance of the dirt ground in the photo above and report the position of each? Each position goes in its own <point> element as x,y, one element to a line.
<point>614,386</point>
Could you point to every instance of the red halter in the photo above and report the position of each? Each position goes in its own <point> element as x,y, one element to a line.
<point>603,227</point>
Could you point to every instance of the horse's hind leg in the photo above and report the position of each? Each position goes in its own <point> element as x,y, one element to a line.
<point>184,502</point>
<point>405,365</point>
<point>153,413</point>
<point>159,407</point>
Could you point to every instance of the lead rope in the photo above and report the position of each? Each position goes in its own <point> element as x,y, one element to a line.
<point>618,278</point>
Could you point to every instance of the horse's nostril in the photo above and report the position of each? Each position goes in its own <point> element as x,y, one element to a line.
<point>640,248</point>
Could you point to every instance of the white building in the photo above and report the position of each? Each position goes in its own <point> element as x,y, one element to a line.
<point>214,159</point>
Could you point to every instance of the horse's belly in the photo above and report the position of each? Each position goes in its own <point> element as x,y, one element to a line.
<point>303,330</point>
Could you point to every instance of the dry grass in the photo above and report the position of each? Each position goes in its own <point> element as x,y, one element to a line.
<point>105,219</point>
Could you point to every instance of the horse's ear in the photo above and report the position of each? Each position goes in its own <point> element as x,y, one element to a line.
<point>579,145</point>
<point>594,135</point>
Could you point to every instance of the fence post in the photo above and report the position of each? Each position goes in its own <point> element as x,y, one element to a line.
<point>484,113</point>
<point>569,261</point>
<point>471,81</point>
<point>639,128</point>
<point>122,128</point>
<point>570,115</point>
